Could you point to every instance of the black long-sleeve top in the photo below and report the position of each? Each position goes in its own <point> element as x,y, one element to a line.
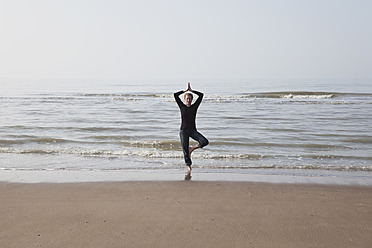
<point>188,114</point>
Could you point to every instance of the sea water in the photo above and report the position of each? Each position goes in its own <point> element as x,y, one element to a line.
<point>281,126</point>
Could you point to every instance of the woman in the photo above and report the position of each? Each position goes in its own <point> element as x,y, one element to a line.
<point>188,127</point>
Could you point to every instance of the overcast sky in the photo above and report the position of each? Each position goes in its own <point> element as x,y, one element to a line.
<point>155,40</point>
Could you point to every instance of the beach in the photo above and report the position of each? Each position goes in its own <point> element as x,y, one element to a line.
<point>287,166</point>
<point>184,214</point>
<point>98,100</point>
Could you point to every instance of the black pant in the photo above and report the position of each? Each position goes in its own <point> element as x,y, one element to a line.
<point>185,135</point>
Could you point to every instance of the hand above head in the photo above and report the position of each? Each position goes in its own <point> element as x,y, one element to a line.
<point>188,87</point>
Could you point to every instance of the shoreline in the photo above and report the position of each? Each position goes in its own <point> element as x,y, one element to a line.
<point>275,176</point>
<point>184,214</point>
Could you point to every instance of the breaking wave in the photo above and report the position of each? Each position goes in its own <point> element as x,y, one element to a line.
<point>311,95</point>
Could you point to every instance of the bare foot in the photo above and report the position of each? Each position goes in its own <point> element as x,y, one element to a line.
<point>188,175</point>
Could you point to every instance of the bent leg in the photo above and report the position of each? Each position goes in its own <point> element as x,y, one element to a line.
<point>202,141</point>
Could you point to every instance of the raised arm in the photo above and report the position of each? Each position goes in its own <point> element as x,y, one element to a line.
<point>200,96</point>
<point>178,93</point>
<point>177,98</point>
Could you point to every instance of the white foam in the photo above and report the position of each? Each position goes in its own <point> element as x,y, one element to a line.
<point>328,96</point>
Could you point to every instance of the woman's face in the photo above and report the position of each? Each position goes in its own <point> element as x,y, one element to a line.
<point>188,100</point>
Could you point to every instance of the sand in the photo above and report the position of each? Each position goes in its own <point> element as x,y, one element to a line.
<point>184,214</point>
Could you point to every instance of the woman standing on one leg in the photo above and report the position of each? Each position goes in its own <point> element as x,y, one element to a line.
<point>188,127</point>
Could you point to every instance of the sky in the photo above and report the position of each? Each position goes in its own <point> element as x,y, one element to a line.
<point>185,40</point>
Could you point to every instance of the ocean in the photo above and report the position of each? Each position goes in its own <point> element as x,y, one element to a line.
<point>296,127</point>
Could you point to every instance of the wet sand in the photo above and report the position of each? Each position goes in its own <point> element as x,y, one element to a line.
<point>184,214</point>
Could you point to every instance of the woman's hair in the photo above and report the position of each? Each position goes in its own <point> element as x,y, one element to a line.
<point>189,94</point>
